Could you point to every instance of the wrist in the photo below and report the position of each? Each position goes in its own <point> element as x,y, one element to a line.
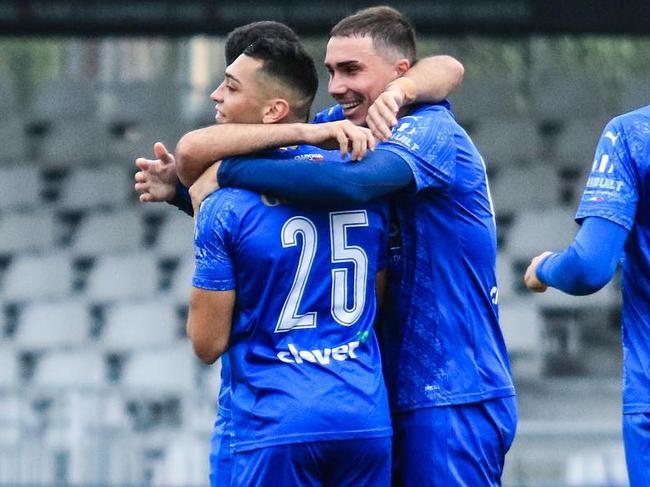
<point>408,88</point>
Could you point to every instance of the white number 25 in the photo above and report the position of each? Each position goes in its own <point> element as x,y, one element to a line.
<point>342,313</point>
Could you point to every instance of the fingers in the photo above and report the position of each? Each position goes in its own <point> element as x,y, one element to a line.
<point>342,139</point>
<point>161,152</point>
<point>382,116</point>
<point>143,164</point>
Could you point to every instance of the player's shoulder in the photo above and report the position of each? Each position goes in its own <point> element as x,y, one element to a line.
<point>638,119</point>
<point>331,114</point>
<point>227,202</point>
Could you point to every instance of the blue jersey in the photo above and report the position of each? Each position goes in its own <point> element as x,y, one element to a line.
<point>332,114</point>
<point>304,358</point>
<point>618,189</point>
<point>442,341</point>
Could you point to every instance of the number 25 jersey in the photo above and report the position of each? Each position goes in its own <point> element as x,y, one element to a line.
<point>305,364</point>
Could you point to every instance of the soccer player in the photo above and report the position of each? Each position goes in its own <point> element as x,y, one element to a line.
<point>291,292</point>
<point>454,409</point>
<point>615,219</point>
<point>156,180</point>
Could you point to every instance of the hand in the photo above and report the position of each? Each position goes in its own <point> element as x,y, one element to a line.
<point>349,138</point>
<point>382,114</point>
<point>530,278</point>
<point>156,180</point>
<point>205,185</point>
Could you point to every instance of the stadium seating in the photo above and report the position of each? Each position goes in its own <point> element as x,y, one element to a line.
<point>23,196</point>
<point>123,277</point>
<point>38,277</point>
<point>15,143</point>
<point>133,326</point>
<point>103,186</point>
<point>8,368</point>
<point>109,233</point>
<point>58,369</point>
<point>501,141</point>
<point>161,371</point>
<point>175,238</point>
<point>27,232</point>
<point>52,325</point>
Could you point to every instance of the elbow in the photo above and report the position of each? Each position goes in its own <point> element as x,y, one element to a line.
<point>457,69</point>
<point>209,353</point>
<point>593,279</point>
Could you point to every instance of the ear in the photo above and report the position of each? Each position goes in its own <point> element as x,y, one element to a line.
<point>402,66</point>
<point>275,110</point>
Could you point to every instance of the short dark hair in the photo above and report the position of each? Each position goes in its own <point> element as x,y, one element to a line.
<point>242,37</point>
<point>387,27</point>
<point>290,63</point>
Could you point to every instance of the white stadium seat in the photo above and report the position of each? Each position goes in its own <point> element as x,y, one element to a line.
<point>176,237</point>
<point>105,186</point>
<point>14,140</point>
<point>132,326</point>
<point>70,142</point>
<point>131,276</point>
<point>106,233</point>
<point>8,368</point>
<point>180,289</point>
<point>38,277</point>
<point>25,232</point>
<point>59,99</point>
<point>535,231</point>
<point>58,324</point>
<point>20,187</point>
<point>506,141</point>
<point>66,369</point>
<point>161,370</point>
<point>517,189</point>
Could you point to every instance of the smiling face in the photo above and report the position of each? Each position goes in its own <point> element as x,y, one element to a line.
<point>239,98</point>
<point>358,74</point>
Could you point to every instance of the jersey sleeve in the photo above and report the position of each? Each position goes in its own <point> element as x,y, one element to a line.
<point>331,114</point>
<point>214,269</point>
<point>611,191</point>
<point>426,143</point>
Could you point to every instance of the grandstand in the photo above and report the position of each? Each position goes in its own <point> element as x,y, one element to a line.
<point>98,384</point>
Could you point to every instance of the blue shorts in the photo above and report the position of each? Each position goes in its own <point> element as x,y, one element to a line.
<point>220,455</point>
<point>459,445</point>
<point>636,436</point>
<point>342,463</point>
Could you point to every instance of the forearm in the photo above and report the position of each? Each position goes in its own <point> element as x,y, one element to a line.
<point>435,78</point>
<point>199,149</point>
<point>319,183</point>
<point>589,262</point>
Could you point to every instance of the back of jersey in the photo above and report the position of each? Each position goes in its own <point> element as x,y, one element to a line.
<point>305,364</point>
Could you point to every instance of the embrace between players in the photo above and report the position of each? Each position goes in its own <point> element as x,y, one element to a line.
<point>310,261</point>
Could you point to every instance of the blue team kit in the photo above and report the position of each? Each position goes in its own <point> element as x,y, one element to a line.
<point>302,336</point>
<point>618,190</point>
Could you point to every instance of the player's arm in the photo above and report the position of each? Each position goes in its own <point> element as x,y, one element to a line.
<point>586,265</point>
<point>430,80</point>
<point>156,180</point>
<point>199,149</point>
<point>319,182</point>
<point>209,322</point>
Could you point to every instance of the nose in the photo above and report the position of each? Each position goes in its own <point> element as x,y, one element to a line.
<point>217,94</point>
<point>336,85</point>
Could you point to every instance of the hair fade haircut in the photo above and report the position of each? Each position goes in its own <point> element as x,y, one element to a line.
<point>387,27</point>
<point>290,63</point>
<point>242,37</point>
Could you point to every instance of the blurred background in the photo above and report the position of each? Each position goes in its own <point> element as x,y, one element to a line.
<point>98,385</point>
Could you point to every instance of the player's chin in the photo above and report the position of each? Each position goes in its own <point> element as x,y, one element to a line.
<point>357,115</point>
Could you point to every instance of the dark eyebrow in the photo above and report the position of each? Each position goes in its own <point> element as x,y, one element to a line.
<point>231,77</point>
<point>344,64</point>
